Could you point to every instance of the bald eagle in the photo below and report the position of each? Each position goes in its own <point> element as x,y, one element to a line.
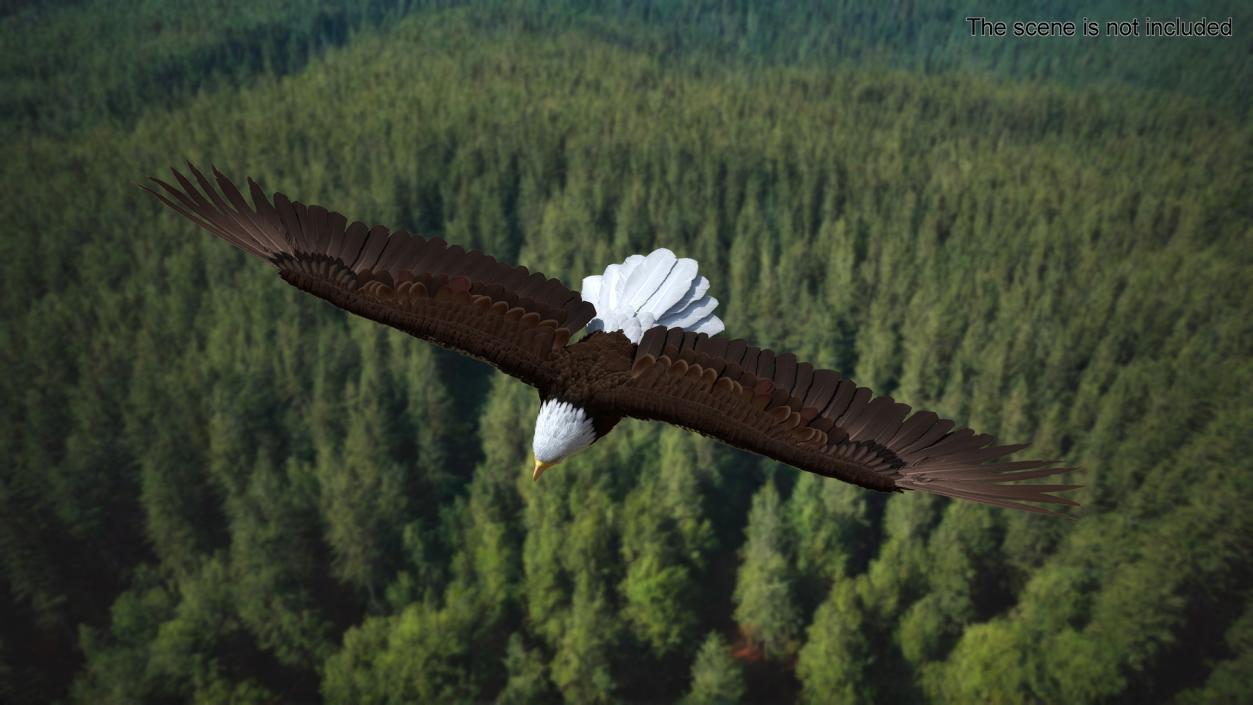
<point>652,350</point>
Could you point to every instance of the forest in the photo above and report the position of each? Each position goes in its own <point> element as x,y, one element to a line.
<point>217,489</point>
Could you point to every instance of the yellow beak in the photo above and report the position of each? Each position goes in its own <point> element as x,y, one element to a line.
<point>540,467</point>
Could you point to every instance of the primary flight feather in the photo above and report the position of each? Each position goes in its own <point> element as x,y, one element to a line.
<point>653,350</point>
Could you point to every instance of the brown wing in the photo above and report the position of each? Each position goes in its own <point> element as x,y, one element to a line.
<point>466,301</point>
<point>818,421</point>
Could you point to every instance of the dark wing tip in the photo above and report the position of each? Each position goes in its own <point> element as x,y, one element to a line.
<point>229,218</point>
<point>992,483</point>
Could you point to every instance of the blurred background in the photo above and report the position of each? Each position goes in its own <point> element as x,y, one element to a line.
<point>216,489</point>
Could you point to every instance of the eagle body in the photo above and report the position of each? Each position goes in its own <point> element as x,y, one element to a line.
<point>640,340</point>
<point>571,416</point>
<point>630,298</point>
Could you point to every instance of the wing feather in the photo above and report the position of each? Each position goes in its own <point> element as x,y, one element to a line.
<point>514,319</point>
<point>819,421</point>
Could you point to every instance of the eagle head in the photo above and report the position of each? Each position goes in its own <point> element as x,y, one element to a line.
<point>561,430</point>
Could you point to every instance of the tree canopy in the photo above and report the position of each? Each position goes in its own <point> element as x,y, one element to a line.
<point>218,489</point>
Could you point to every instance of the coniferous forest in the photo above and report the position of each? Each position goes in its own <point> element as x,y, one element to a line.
<point>217,489</point>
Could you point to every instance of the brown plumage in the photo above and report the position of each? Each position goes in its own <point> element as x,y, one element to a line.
<point>522,323</point>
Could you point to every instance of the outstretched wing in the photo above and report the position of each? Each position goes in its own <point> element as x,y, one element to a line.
<point>512,318</point>
<point>818,421</point>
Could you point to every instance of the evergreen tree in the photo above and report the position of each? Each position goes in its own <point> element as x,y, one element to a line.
<point>834,664</point>
<point>362,491</point>
<point>716,678</point>
<point>764,593</point>
<point>580,667</point>
<point>528,678</point>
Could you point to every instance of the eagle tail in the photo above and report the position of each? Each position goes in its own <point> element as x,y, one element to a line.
<point>654,290</point>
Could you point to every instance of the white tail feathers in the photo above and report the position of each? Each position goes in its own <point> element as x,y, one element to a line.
<point>657,290</point>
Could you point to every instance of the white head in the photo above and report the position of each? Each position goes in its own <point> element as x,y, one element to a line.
<point>561,430</point>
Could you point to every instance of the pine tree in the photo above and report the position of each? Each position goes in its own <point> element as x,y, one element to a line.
<point>833,665</point>
<point>716,678</point>
<point>528,679</point>
<point>764,593</point>
<point>362,494</point>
